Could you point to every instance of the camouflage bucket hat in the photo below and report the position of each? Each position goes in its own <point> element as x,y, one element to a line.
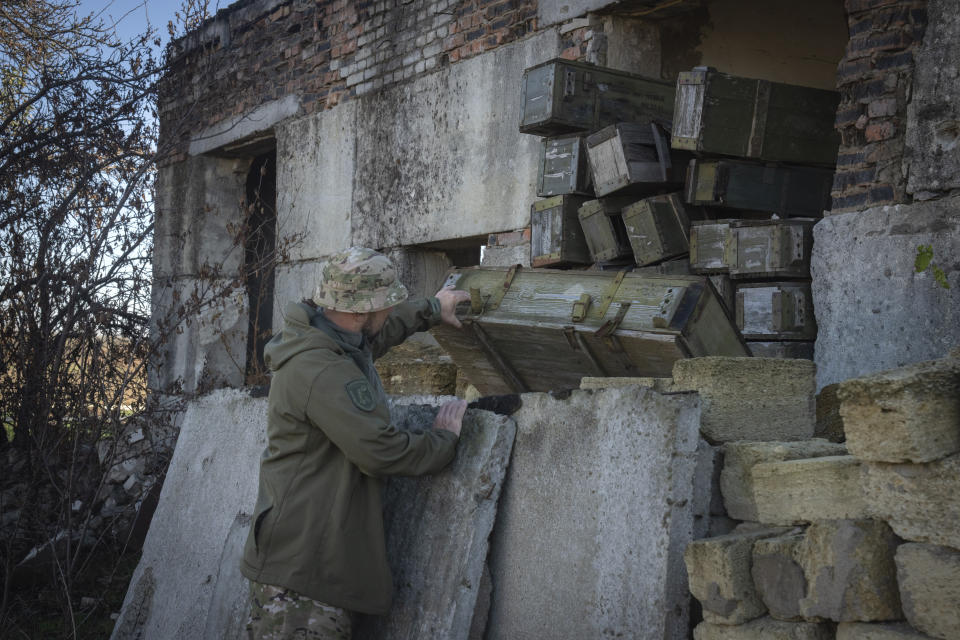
<point>359,280</point>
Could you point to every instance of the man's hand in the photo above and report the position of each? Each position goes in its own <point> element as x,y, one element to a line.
<point>450,416</point>
<point>449,299</point>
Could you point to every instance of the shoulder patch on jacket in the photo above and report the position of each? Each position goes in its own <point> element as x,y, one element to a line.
<point>361,394</point>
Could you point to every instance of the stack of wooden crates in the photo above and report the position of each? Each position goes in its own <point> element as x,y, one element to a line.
<point>716,175</point>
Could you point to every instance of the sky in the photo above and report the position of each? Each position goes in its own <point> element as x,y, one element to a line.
<point>133,16</point>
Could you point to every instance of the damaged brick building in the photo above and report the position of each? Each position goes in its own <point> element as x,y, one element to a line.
<point>294,128</point>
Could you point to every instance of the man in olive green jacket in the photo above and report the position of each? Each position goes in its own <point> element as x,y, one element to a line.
<point>316,549</point>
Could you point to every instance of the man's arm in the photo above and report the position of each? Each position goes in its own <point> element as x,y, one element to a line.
<point>418,315</point>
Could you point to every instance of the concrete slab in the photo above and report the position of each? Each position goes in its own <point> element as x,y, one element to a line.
<point>441,156</point>
<point>188,585</point>
<point>920,501</point>
<point>779,580</point>
<point>259,121</point>
<point>874,312</point>
<point>438,531</point>
<point>595,515</point>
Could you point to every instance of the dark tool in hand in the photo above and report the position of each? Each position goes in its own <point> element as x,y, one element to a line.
<point>504,405</point>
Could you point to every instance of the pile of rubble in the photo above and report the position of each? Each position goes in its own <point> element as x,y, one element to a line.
<point>857,540</point>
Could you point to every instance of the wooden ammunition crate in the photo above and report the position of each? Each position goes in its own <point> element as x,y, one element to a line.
<point>802,192</point>
<point>563,167</point>
<point>719,113</point>
<point>556,237</point>
<point>775,311</point>
<point>542,329</point>
<point>787,349</point>
<point>771,248</point>
<point>657,228</point>
<point>603,227</point>
<point>634,157</point>
<point>561,96</point>
<point>711,249</point>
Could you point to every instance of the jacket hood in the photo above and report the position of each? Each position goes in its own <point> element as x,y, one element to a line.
<point>298,336</point>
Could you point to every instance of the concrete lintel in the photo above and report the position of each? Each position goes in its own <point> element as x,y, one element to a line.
<point>249,125</point>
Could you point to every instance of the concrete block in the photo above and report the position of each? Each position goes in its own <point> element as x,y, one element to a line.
<point>850,571</point>
<point>595,515</point>
<point>255,123</point>
<point>829,421</point>
<point>929,578</point>
<point>736,479</point>
<point>920,501</point>
<point>764,629</point>
<point>188,586</point>
<point>874,311</point>
<point>874,631</point>
<point>778,579</point>
<point>799,491</point>
<point>657,384</point>
<point>446,518</point>
<point>751,398</point>
<point>910,414</point>
<point>718,570</point>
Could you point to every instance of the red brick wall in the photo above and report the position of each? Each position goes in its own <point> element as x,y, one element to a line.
<point>874,82</point>
<point>325,51</point>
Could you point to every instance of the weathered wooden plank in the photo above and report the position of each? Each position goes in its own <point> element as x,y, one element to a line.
<point>556,237</point>
<point>775,311</point>
<point>787,191</point>
<point>651,322</point>
<point>562,96</point>
<point>724,114</point>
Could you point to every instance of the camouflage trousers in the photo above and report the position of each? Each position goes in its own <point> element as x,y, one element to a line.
<point>277,613</point>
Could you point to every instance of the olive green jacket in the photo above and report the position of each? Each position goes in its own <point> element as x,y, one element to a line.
<point>317,526</point>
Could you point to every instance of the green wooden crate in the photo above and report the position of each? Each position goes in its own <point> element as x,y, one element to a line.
<point>633,157</point>
<point>603,227</point>
<point>788,191</point>
<point>658,228</point>
<point>556,237</point>
<point>775,311</point>
<point>771,248</point>
<point>747,118</point>
<point>562,96</point>
<point>711,248</point>
<point>543,329</point>
<point>563,167</point>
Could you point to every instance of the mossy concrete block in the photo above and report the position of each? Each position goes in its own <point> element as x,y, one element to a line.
<point>718,570</point>
<point>875,631</point>
<point>829,421</point>
<point>751,398</point>
<point>798,491</point>
<point>778,578</point>
<point>910,414</point>
<point>920,501</point>
<point>850,571</point>
<point>417,368</point>
<point>929,578</point>
<point>764,629</point>
<point>736,478</point>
